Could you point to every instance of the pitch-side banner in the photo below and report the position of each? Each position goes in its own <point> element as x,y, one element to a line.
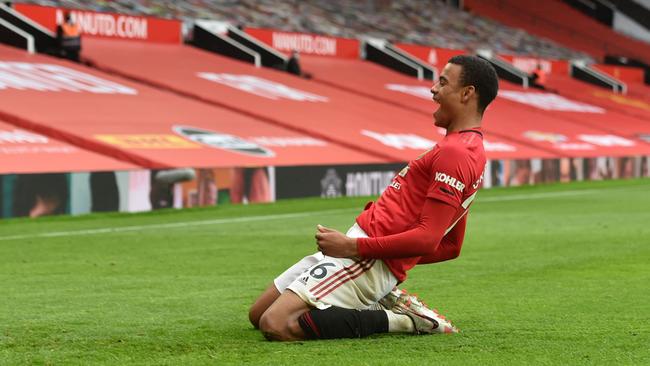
<point>107,25</point>
<point>143,125</point>
<point>334,180</point>
<point>24,151</point>
<point>308,44</point>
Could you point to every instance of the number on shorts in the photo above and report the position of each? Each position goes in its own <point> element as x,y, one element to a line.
<point>320,270</point>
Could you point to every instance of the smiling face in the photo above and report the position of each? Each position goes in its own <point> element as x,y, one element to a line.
<point>448,93</point>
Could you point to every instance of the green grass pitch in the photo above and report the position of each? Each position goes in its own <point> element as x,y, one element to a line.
<point>555,275</point>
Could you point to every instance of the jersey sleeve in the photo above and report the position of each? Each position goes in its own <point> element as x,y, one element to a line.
<point>451,175</point>
<point>449,247</point>
<point>421,240</point>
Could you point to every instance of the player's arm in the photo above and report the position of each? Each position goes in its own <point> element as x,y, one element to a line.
<point>443,200</point>
<point>422,240</point>
<point>449,247</point>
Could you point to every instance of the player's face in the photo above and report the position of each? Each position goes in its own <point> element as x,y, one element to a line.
<point>447,93</point>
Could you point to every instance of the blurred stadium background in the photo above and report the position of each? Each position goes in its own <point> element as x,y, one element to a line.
<point>118,107</point>
<point>184,104</point>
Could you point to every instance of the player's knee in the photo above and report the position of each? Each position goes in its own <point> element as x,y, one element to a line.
<point>293,327</point>
<point>274,328</point>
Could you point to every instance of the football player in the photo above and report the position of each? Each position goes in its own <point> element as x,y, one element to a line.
<point>348,288</point>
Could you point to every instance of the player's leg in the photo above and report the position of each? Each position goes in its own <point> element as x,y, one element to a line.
<point>263,302</point>
<point>322,304</point>
<point>398,312</point>
<point>332,290</point>
<point>423,319</point>
<point>280,321</point>
<point>290,318</point>
<point>406,315</point>
<point>336,322</point>
<point>278,286</point>
<point>336,285</point>
<point>322,300</point>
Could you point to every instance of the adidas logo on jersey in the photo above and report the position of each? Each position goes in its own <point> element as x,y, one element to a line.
<point>451,181</point>
<point>304,279</point>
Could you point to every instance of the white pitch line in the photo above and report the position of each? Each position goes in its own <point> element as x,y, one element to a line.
<point>172,225</point>
<point>272,217</point>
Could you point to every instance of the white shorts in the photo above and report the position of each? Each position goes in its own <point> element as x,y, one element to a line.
<point>352,283</point>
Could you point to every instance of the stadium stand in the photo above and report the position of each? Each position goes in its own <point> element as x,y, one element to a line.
<point>568,127</point>
<point>635,10</point>
<point>411,21</point>
<point>138,124</point>
<point>560,22</point>
<point>342,114</point>
<point>28,152</point>
<point>640,91</point>
<point>149,100</point>
<point>374,82</point>
<point>635,103</point>
<point>366,79</point>
<point>547,125</point>
<point>279,98</point>
<point>629,17</point>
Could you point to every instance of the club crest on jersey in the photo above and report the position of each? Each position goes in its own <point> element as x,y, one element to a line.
<point>450,181</point>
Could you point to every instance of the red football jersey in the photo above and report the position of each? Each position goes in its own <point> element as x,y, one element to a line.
<point>451,172</point>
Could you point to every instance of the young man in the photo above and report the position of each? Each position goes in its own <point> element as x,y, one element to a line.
<point>420,218</point>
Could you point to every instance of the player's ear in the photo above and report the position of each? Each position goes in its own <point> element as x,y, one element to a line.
<point>467,93</point>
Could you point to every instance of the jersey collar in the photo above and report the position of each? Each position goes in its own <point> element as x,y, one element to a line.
<point>475,130</point>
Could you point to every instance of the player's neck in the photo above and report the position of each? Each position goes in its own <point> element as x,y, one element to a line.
<point>464,123</point>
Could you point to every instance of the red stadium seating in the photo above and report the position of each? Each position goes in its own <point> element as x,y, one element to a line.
<point>349,114</point>
<point>26,152</point>
<point>559,124</point>
<point>319,110</point>
<point>135,123</point>
<point>560,22</point>
<point>379,83</point>
<point>389,87</point>
<point>627,114</point>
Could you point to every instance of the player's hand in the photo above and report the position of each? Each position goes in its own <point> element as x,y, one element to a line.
<point>334,243</point>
